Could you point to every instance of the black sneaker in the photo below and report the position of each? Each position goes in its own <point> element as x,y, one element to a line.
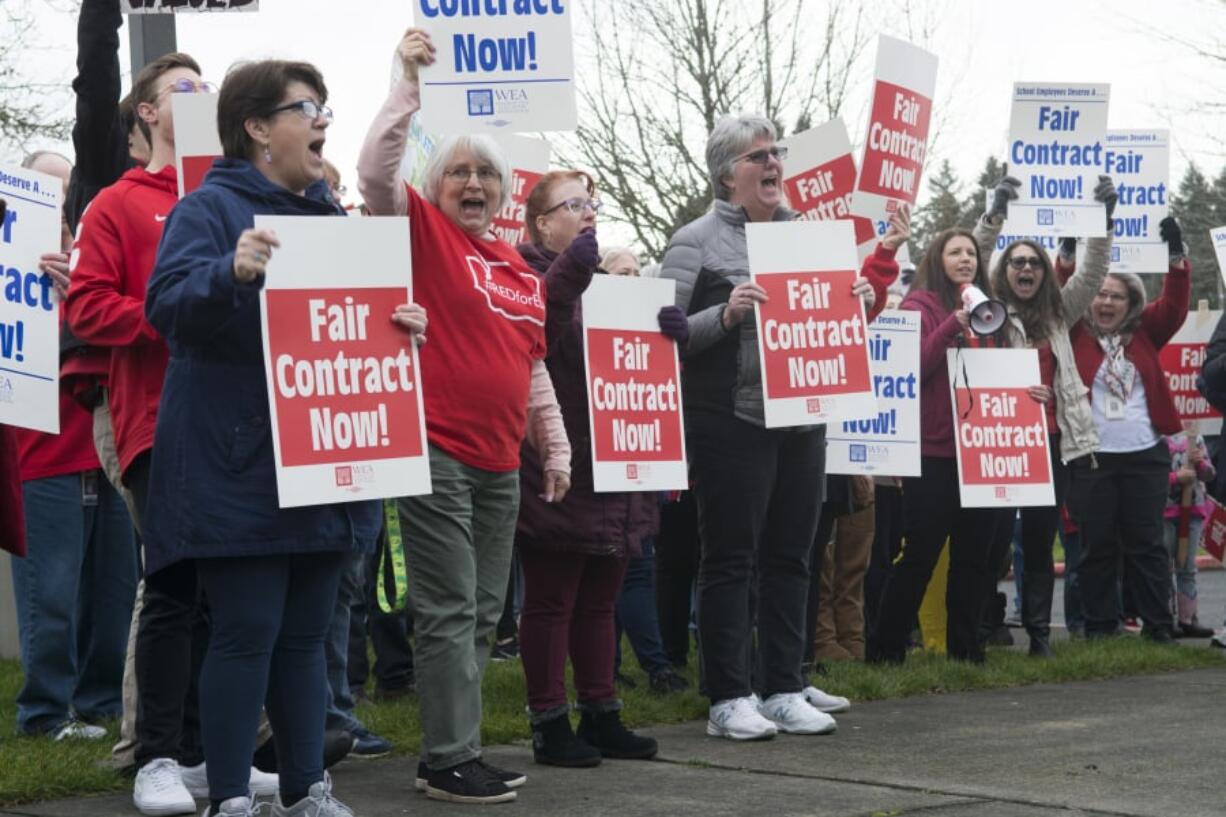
<point>506,649</point>
<point>666,681</point>
<point>469,782</point>
<point>512,780</point>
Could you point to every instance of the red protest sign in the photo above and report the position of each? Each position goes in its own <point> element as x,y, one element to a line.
<point>529,160</point>
<point>1182,359</point>
<point>634,386</point>
<point>897,141</point>
<point>345,385</point>
<point>1213,532</point>
<point>819,175</point>
<point>1000,431</point>
<point>197,144</point>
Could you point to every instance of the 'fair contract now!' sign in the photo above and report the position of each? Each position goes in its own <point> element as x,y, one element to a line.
<point>501,66</point>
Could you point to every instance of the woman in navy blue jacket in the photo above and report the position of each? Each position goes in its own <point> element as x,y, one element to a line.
<point>270,574</point>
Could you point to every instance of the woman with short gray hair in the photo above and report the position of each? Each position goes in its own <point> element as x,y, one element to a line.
<point>483,379</point>
<point>758,490</point>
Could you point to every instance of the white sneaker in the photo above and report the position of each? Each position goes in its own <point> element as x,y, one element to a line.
<point>739,719</point>
<point>319,802</point>
<point>234,807</point>
<point>159,790</point>
<point>790,712</point>
<point>196,779</point>
<point>76,730</point>
<point>1219,640</point>
<point>825,702</point>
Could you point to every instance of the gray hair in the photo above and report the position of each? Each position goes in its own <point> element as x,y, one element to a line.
<point>612,252</point>
<point>482,146</point>
<point>732,136</point>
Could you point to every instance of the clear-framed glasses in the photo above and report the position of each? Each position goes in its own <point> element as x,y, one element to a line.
<point>485,174</point>
<point>309,108</point>
<point>1020,262</point>
<point>760,157</point>
<point>576,206</point>
<point>183,85</point>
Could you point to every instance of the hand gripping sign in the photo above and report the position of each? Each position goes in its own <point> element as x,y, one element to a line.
<point>501,66</point>
<point>1056,138</point>
<point>634,386</point>
<point>812,339</point>
<point>177,6</point>
<point>29,315</point>
<point>1000,431</point>
<point>896,141</point>
<point>343,380</point>
<point>886,443</point>
<point>197,144</point>
<point>1182,358</point>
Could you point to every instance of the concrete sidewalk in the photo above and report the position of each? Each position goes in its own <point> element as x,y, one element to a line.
<point>1147,746</point>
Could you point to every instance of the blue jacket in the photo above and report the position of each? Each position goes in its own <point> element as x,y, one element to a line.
<point>212,487</point>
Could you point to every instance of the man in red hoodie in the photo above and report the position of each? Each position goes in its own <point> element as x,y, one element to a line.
<point>112,259</point>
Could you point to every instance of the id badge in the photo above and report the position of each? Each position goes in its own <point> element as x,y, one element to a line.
<point>89,488</point>
<point>1114,408</point>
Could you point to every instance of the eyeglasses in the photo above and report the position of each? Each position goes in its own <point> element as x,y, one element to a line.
<point>309,108</point>
<point>576,206</point>
<point>1111,296</point>
<point>485,175</point>
<point>1020,262</point>
<point>184,85</point>
<point>760,157</point>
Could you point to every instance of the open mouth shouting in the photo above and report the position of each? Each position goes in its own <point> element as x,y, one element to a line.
<point>472,207</point>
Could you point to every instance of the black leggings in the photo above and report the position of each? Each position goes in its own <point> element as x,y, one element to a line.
<point>270,615</point>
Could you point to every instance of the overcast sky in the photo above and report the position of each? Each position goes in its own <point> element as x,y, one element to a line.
<point>983,46</point>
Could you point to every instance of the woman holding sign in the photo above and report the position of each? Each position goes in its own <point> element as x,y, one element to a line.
<point>932,510</point>
<point>482,371</point>
<point>758,490</point>
<point>270,574</point>
<point>1118,496</point>
<point>1042,303</point>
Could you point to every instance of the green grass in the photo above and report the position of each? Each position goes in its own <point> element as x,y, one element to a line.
<point>35,769</point>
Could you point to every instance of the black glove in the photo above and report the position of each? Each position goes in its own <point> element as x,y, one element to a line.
<point>1006,190</point>
<point>1104,193</point>
<point>674,324</point>
<point>1169,230</point>
<point>1068,248</point>
<point>584,249</point>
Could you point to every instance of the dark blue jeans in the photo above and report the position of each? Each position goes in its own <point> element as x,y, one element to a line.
<point>74,593</point>
<point>636,613</point>
<point>270,617</point>
<point>341,705</point>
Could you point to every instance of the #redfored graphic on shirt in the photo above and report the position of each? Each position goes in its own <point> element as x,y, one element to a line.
<point>516,295</point>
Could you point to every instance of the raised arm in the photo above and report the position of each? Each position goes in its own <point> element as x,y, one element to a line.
<point>379,161</point>
<point>1079,289</point>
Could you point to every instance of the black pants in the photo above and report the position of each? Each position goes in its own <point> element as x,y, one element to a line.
<point>837,503</point>
<point>172,636</point>
<point>1118,507</point>
<point>389,637</point>
<point>1039,527</point>
<point>887,542</point>
<point>758,493</point>
<point>677,555</point>
<point>933,513</point>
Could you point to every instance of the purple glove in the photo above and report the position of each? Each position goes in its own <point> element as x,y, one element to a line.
<point>674,324</point>
<point>584,250</point>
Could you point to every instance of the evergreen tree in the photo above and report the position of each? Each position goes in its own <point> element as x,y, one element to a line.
<point>942,210</point>
<point>1199,207</point>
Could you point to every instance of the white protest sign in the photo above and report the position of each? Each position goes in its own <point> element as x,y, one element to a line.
<point>1056,137</point>
<point>1182,359</point>
<point>1218,236</point>
<point>29,313</point>
<point>178,6</point>
<point>1000,431</point>
<point>896,141</point>
<point>634,386</point>
<point>1139,162</point>
<point>197,143</point>
<point>812,334</point>
<point>344,385</point>
<point>887,443</point>
<point>499,66</point>
<point>529,160</point>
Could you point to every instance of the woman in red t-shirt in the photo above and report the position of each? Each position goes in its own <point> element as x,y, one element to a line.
<point>482,372</point>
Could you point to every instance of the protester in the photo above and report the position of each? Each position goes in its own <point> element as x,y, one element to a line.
<point>843,546</point>
<point>1042,304</point>
<point>270,574</point>
<point>620,261</point>
<point>75,587</point>
<point>677,552</point>
<point>758,490</point>
<point>114,256</point>
<point>480,373</point>
<point>1117,499</point>
<point>574,554</point>
<point>932,511</point>
<point>1187,506</point>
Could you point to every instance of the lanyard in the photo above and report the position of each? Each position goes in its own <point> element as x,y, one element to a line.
<point>391,561</point>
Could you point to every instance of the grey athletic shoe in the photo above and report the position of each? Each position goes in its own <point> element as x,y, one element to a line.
<point>319,802</point>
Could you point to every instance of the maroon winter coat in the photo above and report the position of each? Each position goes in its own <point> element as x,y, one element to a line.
<point>607,524</point>
<point>12,516</point>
